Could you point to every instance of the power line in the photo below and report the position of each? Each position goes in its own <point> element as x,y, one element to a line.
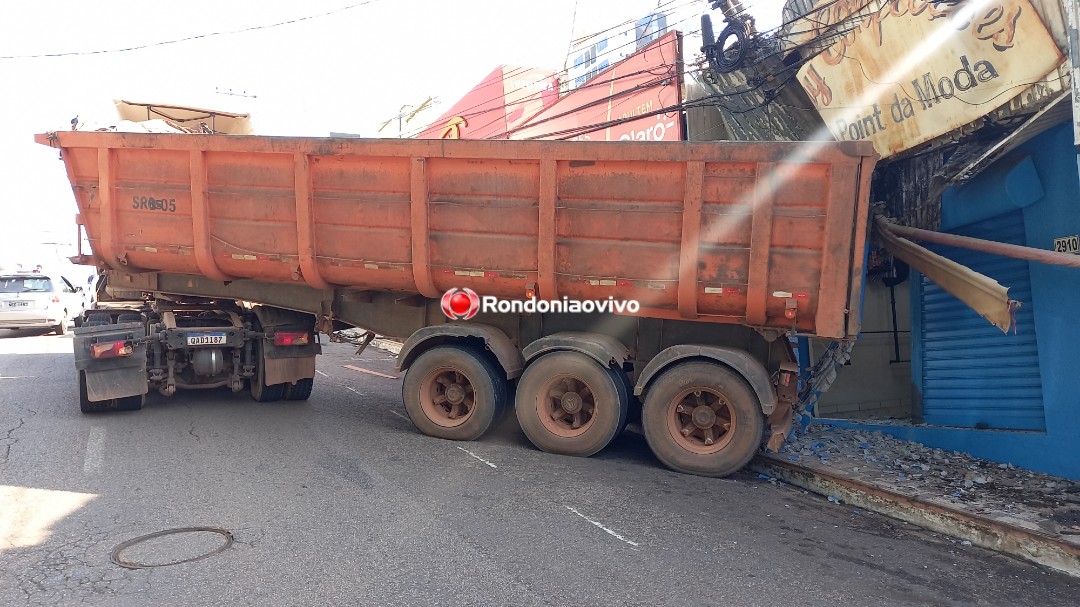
<point>790,72</point>
<point>191,38</point>
<point>468,112</point>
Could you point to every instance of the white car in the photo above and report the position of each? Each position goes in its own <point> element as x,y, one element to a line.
<point>36,300</point>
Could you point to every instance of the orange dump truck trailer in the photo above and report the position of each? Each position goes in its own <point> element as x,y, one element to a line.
<point>235,252</point>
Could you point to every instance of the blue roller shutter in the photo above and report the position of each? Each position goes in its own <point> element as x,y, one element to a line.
<point>973,375</point>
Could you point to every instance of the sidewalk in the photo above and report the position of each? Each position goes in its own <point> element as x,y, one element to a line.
<point>1029,515</point>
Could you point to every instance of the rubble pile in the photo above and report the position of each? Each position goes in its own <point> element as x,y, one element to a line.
<point>1050,503</point>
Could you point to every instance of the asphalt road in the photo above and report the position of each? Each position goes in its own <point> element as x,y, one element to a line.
<point>340,501</point>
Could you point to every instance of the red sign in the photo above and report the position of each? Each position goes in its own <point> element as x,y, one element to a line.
<point>503,100</point>
<point>645,84</point>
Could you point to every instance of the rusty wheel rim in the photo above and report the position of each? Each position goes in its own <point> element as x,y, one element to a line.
<point>566,406</point>
<point>701,420</point>
<point>447,397</point>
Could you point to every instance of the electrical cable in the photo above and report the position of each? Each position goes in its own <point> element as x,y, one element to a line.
<point>191,38</point>
<point>466,111</point>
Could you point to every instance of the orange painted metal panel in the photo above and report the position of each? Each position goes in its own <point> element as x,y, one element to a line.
<point>711,231</point>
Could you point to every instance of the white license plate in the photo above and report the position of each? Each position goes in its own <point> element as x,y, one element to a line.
<point>18,304</point>
<point>206,339</point>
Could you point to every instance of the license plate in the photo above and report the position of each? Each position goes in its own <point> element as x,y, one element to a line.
<point>206,339</point>
<point>18,304</point>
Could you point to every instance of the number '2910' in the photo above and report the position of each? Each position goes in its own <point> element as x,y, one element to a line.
<point>150,203</point>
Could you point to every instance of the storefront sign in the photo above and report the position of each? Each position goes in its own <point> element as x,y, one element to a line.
<point>907,71</point>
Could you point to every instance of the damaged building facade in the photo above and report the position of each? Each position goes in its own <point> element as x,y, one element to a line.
<point>970,105</point>
<point>967,345</point>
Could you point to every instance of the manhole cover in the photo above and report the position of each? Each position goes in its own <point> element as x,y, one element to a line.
<point>171,547</point>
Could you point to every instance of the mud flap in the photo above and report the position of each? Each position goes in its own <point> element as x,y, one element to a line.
<point>109,378</point>
<point>288,370</point>
<point>781,420</point>
<point>115,383</point>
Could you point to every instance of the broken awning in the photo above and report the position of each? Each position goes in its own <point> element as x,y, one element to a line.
<point>230,123</point>
<point>980,292</point>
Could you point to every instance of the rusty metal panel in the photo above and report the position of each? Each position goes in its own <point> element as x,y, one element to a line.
<point>721,232</point>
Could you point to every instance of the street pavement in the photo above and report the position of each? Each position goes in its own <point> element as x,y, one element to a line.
<point>340,501</point>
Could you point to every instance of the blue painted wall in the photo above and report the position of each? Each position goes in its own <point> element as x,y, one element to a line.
<point>1041,178</point>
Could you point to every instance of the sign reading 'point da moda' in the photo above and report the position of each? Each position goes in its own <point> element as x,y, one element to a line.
<point>907,71</point>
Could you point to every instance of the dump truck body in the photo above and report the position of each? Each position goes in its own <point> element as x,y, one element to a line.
<point>724,246</point>
<point>716,232</point>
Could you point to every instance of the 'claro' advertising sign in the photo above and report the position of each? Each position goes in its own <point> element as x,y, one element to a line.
<point>607,107</point>
<point>907,71</point>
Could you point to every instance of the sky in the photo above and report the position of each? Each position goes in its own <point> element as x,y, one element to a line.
<point>342,66</point>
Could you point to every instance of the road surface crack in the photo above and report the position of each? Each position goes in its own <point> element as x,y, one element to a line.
<point>191,431</point>
<point>10,441</point>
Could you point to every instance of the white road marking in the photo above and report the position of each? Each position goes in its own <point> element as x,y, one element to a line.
<point>478,457</point>
<point>95,449</point>
<point>369,371</point>
<point>400,415</point>
<point>321,373</point>
<point>353,390</point>
<point>600,525</point>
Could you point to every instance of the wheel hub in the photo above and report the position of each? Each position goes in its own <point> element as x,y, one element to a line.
<point>703,417</point>
<point>446,396</point>
<point>701,420</point>
<point>455,394</point>
<point>571,402</point>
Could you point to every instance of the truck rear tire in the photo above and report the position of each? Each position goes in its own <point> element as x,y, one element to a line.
<point>259,390</point>
<point>454,392</point>
<point>702,418</point>
<point>568,404</point>
<point>85,404</point>
<point>301,390</point>
<point>131,403</point>
<point>97,319</point>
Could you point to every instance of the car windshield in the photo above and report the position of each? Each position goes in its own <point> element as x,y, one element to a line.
<point>25,284</point>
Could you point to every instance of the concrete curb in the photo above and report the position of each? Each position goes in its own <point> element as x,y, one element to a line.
<point>1025,544</point>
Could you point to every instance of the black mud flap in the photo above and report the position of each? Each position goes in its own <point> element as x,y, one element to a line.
<point>115,383</point>
<point>116,377</point>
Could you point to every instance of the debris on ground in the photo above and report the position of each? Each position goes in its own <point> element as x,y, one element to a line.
<point>1002,491</point>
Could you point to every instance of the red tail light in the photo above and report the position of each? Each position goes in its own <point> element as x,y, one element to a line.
<point>791,307</point>
<point>111,349</point>
<point>291,338</point>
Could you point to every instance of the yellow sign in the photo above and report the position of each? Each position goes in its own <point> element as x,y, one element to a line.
<point>452,130</point>
<point>902,72</point>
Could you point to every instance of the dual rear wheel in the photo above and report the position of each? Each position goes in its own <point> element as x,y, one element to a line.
<point>699,417</point>
<point>263,392</point>
<point>454,392</point>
